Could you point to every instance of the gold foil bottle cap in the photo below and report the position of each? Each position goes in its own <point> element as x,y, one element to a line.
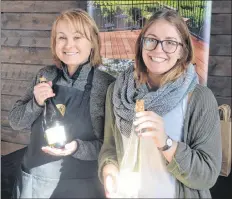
<point>139,106</point>
<point>42,79</point>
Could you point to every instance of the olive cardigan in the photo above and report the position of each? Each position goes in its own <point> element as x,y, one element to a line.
<point>197,161</point>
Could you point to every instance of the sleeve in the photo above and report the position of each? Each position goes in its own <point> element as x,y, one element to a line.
<point>26,110</point>
<point>88,150</point>
<point>197,164</point>
<point>108,153</point>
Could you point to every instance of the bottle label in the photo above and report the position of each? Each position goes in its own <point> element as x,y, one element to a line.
<point>55,135</point>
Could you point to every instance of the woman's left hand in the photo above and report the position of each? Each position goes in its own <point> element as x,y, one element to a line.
<point>67,150</point>
<point>150,124</point>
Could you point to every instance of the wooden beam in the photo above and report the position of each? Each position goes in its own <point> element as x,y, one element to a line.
<point>221,7</point>
<point>221,86</point>
<point>220,45</point>
<point>219,66</point>
<point>26,33</point>
<point>25,42</point>
<point>27,21</point>
<point>21,72</point>
<point>30,55</point>
<point>224,100</point>
<point>217,20</point>
<point>38,6</point>
<point>14,87</point>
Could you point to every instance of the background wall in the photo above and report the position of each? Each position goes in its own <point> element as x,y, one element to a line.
<point>219,71</point>
<point>25,49</point>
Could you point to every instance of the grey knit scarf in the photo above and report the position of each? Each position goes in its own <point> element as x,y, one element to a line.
<point>161,101</point>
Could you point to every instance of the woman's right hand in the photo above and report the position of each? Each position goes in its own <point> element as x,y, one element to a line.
<point>43,91</point>
<point>110,175</point>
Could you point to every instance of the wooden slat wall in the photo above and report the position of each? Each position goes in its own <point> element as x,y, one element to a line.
<point>25,41</point>
<point>219,71</point>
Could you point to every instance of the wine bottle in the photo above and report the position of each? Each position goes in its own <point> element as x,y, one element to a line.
<point>52,123</point>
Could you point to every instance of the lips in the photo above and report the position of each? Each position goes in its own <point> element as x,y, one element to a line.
<point>70,53</point>
<point>158,59</point>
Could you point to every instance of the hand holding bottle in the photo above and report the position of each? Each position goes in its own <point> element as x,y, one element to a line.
<point>110,175</point>
<point>67,150</point>
<point>43,91</point>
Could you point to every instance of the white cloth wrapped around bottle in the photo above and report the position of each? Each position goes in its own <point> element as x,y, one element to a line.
<point>150,179</point>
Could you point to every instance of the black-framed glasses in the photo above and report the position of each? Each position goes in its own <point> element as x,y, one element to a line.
<point>168,46</point>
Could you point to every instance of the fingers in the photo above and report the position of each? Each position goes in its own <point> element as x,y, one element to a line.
<point>56,152</point>
<point>143,119</point>
<point>110,175</point>
<point>110,185</point>
<point>147,134</point>
<point>148,113</point>
<point>149,124</point>
<point>53,151</point>
<point>68,149</point>
<point>50,83</point>
<point>72,146</point>
<point>147,120</point>
<point>43,91</point>
<point>145,125</point>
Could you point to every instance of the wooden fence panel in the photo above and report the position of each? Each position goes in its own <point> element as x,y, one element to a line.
<point>30,55</point>
<point>220,45</point>
<point>219,66</point>
<point>38,6</point>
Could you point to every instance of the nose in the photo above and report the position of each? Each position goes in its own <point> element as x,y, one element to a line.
<point>69,43</point>
<point>159,48</point>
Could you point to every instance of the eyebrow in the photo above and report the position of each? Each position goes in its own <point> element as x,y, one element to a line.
<point>165,38</point>
<point>73,33</point>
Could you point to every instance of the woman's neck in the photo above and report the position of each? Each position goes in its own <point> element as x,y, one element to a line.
<point>72,70</point>
<point>154,80</point>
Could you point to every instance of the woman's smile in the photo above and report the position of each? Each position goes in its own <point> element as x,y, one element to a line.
<point>158,59</point>
<point>70,53</point>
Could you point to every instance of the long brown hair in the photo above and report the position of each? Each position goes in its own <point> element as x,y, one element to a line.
<point>84,24</point>
<point>187,52</point>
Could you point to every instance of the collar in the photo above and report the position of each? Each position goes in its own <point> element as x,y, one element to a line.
<point>77,72</point>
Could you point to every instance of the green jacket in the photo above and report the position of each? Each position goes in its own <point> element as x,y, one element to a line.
<point>197,162</point>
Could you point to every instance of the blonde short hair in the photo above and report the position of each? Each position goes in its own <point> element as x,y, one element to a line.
<point>187,52</point>
<point>86,26</point>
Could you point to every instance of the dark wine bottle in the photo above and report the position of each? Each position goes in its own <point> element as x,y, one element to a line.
<point>52,123</point>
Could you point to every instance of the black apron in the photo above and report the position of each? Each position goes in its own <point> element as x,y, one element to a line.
<point>46,176</point>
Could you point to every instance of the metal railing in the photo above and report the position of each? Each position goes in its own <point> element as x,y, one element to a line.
<point>130,15</point>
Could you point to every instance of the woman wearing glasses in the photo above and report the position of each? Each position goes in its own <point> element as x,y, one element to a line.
<point>180,116</point>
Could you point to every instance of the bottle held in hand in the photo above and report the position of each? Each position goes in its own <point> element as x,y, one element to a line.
<point>52,123</point>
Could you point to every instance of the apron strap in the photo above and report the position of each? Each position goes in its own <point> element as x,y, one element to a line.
<point>88,85</point>
<point>59,74</point>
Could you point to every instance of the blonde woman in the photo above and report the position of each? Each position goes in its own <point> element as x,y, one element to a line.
<point>75,82</point>
<point>181,116</point>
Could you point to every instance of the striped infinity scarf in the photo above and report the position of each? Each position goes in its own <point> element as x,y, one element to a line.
<point>160,101</point>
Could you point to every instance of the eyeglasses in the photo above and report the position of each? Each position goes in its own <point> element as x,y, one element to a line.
<point>168,46</point>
